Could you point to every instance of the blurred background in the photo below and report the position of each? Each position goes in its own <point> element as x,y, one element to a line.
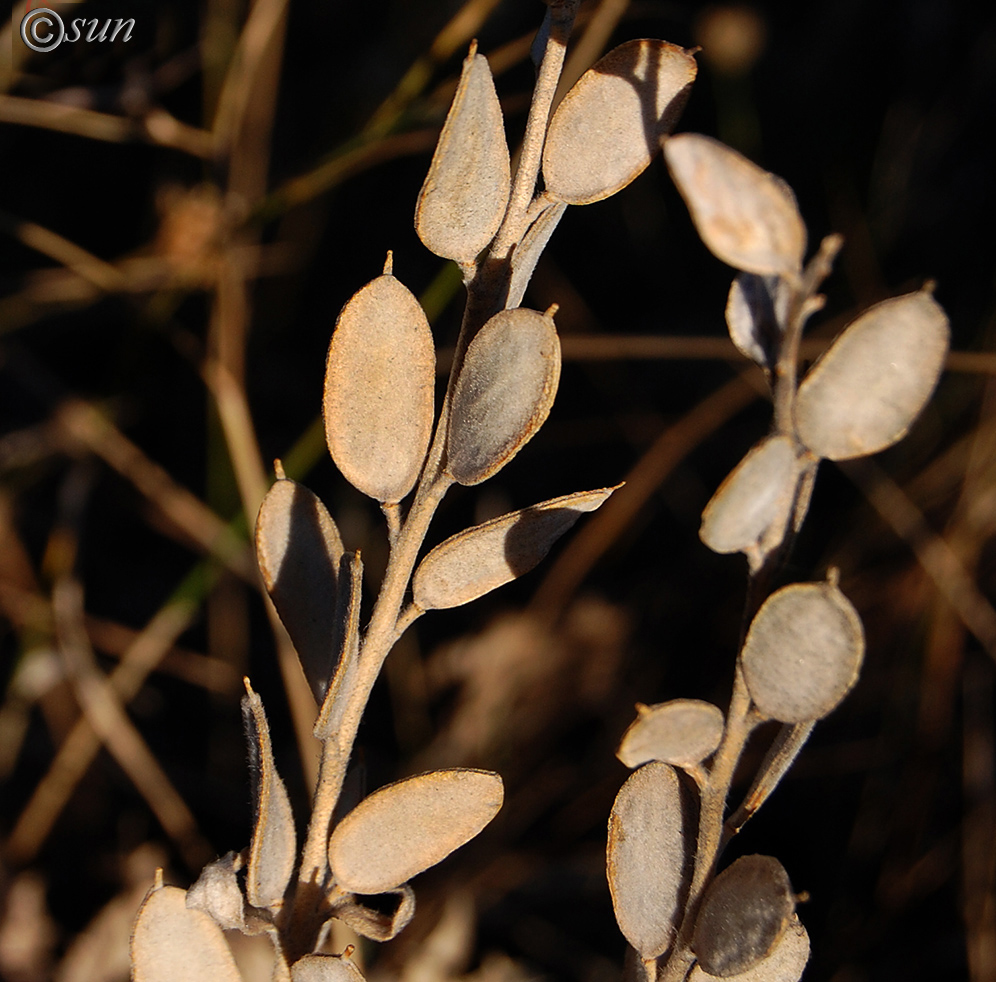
<point>182,216</point>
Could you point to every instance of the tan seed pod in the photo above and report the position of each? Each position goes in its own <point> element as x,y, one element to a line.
<point>803,652</point>
<point>465,193</point>
<point>745,216</point>
<point>406,827</point>
<point>750,510</point>
<point>756,314</point>
<point>375,924</point>
<point>785,963</point>
<point>481,559</point>
<point>745,912</point>
<point>646,858</point>
<point>273,849</point>
<point>608,127</point>
<point>379,382</point>
<point>682,732</point>
<point>871,384</point>
<point>173,943</point>
<point>325,968</point>
<point>503,394</point>
<point>298,549</point>
<point>217,892</point>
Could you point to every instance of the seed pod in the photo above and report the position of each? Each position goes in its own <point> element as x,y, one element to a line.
<point>871,384</point>
<point>803,652</point>
<point>378,925</point>
<point>481,559</point>
<point>745,912</point>
<point>745,216</point>
<point>298,549</point>
<point>379,390</point>
<point>785,963</point>
<point>608,127</point>
<point>406,827</point>
<point>646,858</point>
<point>325,968</point>
<point>465,193</point>
<point>172,943</point>
<point>756,314</point>
<point>750,510</point>
<point>273,849</point>
<point>503,394</point>
<point>682,732</point>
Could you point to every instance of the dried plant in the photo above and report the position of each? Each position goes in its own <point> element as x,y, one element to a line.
<point>804,643</point>
<point>382,434</point>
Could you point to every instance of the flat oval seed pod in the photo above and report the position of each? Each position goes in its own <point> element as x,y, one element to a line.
<point>646,857</point>
<point>273,849</point>
<point>682,732</point>
<point>803,652</point>
<point>481,559</point>
<point>871,384</point>
<point>406,827</point>
<point>785,963</point>
<point>745,216</point>
<point>744,913</point>
<point>217,892</point>
<point>756,315</point>
<point>752,505</point>
<point>503,394</point>
<point>608,127</point>
<point>465,193</point>
<point>379,390</point>
<point>171,943</point>
<point>325,968</point>
<point>298,549</point>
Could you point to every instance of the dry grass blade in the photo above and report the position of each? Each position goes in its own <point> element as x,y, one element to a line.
<point>803,652</point>
<point>465,193</point>
<point>379,389</point>
<point>298,549</point>
<point>744,914</point>
<point>745,216</point>
<point>609,126</point>
<point>325,968</point>
<point>172,943</point>
<point>646,857</point>
<point>749,511</point>
<point>756,312</point>
<point>866,391</point>
<point>682,732</point>
<point>406,827</point>
<point>480,559</point>
<point>785,963</point>
<point>274,841</point>
<point>503,394</point>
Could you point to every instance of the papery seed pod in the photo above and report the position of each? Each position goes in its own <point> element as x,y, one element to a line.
<point>802,652</point>
<point>481,559</point>
<point>872,383</point>
<point>785,963</point>
<point>379,385</point>
<point>745,912</point>
<point>174,943</point>
<point>325,968</point>
<point>608,127</point>
<point>745,216</point>
<point>503,393</point>
<point>682,732</point>
<point>298,549</point>
<point>750,510</point>
<point>376,924</point>
<point>465,193</point>
<point>756,316</point>
<point>410,825</point>
<point>273,850</point>
<point>646,858</point>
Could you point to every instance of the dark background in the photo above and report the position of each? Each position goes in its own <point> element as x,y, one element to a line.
<point>879,115</point>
